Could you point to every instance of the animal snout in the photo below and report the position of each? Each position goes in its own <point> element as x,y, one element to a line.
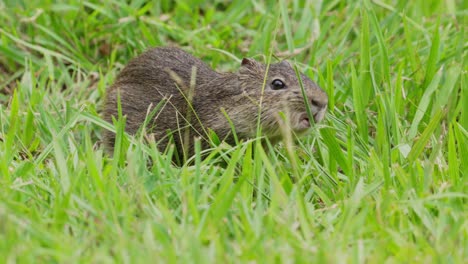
<point>319,107</point>
<point>319,103</point>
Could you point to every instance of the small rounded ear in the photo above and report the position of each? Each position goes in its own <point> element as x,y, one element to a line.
<point>285,63</point>
<point>248,62</point>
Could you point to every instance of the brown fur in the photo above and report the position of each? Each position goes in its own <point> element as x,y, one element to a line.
<point>165,73</point>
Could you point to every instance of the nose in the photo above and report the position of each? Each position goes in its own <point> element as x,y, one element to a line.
<point>319,103</point>
<point>319,106</point>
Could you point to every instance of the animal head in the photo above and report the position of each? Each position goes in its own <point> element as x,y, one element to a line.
<point>282,93</point>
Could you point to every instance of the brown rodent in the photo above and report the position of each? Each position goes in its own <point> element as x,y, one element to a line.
<point>166,74</point>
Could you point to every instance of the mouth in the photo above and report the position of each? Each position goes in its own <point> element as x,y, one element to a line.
<point>304,122</point>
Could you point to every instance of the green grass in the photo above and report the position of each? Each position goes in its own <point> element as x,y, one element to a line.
<point>384,178</point>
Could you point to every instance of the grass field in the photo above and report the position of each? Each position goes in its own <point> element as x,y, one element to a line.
<point>383,178</point>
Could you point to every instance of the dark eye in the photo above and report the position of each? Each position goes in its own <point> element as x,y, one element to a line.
<point>277,84</point>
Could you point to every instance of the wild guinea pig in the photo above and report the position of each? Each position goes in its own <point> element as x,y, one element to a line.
<point>172,78</point>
